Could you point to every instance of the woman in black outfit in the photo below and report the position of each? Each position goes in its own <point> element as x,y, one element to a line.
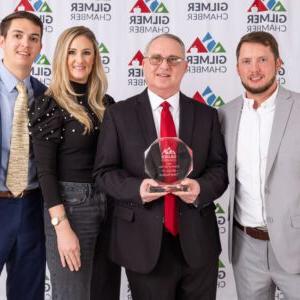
<point>64,125</point>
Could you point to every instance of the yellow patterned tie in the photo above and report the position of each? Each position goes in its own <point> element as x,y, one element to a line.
<point>17,172</point>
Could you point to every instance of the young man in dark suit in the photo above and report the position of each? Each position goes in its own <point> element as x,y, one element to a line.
<point>22,246</point>
<point>165,257</point>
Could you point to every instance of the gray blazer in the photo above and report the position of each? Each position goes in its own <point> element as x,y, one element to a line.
<point>282,185</point>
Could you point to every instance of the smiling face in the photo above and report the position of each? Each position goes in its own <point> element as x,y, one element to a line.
<point>81,57</point>
<point>257,68</point>
<point>21,46</point>
<point>164,80</point>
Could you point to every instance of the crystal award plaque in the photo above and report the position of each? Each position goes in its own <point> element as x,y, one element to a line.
<point>168,161</point>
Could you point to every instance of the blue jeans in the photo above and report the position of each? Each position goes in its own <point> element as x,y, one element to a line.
<point>84,210</point>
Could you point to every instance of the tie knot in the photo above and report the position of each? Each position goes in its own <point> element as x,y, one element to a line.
<point>21,87</point>
<point>165,105</point>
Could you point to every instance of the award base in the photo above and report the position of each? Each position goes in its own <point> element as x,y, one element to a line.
<point>168,188</point>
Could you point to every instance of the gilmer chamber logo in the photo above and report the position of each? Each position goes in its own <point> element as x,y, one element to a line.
<point>40,8</point>
<point>221,275</point>
<point>209,97</point>
<point>149,16</point>
<point>267,15</point>
<point>207,11</point>
<point>281,76</point>
<point>105,59</point>
<point>220,213</point>
<point>41,69</point>
<point>47,288</point>
<point>135,70</point>
<point>90,10</point>
<point>206,56</point>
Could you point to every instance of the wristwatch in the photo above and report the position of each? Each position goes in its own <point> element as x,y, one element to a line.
<point>56,220</point>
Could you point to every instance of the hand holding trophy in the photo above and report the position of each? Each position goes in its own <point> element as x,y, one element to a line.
<point>168,161</point>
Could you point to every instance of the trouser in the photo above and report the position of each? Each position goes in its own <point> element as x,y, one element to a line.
<point>173,279</point>
<point>22,246</point>
<point>106,277</point>
<point>257,271</point>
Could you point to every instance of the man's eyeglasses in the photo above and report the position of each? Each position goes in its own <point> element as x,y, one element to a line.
<point>172,60</point>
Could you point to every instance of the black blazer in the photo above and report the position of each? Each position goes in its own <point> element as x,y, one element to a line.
<point>127,131</point>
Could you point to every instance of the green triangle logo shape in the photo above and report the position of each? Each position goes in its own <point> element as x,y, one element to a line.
<point>45,8</point>
<point>221,265</point>
<point>43,60</point>
<point>219,209</point>
<point>218,103</point>
<point>279,7</point>
<point>219,48</point>
<point>102,48</point>
<point>161,9</point>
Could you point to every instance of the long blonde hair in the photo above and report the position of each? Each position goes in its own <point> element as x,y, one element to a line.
<point>60,87</point>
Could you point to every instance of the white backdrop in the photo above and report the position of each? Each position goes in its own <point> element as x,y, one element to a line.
<point>210,30</point>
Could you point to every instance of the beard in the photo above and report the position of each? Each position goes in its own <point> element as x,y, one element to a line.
<point>261,89</point>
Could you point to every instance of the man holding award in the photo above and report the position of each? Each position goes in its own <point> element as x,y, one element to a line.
<point>162,161</point>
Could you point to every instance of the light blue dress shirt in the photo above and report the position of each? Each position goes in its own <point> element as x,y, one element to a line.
<point>8,95</point>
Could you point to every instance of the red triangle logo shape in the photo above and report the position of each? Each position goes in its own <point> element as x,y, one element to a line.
<point>257,5</point>
<point>140,5</point>
<point>24,5</point>
<point>199,98</point>
<point>198,45</point>
<point>138,57</point>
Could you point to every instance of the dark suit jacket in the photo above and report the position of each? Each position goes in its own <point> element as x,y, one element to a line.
<point>127,131</point>
<point>37,86</point>
<point>38,89</point>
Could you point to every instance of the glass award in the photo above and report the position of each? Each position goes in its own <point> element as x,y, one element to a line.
<point>168,161</point>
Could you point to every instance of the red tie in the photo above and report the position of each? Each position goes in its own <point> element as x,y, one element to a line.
<point>167,129</point>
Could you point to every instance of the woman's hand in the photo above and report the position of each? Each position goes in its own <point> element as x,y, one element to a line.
<point>68,246</point>
<point>67,241</point>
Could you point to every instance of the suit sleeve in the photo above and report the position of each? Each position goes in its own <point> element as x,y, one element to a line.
<point>109,175</point>
<point>214,180</point>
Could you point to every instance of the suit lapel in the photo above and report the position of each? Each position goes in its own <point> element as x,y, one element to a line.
<point>186,119</point>
<point>233,130</point>
<point>38,87</point>
<point>145,117</point>
<point>284,104</point>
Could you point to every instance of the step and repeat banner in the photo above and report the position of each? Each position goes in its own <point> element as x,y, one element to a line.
<point>210,31</point>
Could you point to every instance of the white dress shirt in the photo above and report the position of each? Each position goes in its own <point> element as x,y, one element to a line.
<point>252,149</point>
<point>156,102</point>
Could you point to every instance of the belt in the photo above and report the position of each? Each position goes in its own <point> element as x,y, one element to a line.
<point>254,232</point>
<point>8,194</point>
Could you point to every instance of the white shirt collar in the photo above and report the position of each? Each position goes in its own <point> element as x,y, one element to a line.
<point>268,104</point>
<point>156,101</point>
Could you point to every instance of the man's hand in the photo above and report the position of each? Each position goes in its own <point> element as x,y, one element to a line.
<point>144,191</point>
<point>191,194</point>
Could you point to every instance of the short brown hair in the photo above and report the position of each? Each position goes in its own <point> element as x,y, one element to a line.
<point>259,37</point>
<point>6,22</point>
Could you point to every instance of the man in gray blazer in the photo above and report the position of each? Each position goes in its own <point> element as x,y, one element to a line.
<point>262,136</point>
